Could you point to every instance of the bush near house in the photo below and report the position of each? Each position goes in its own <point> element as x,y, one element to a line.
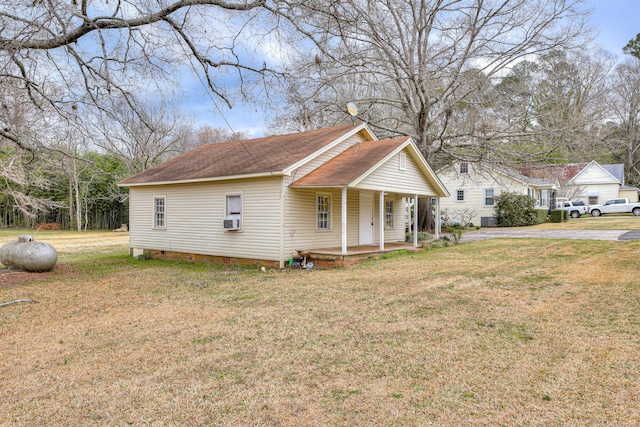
<point>559,216</point>
<point>514,210</point>
<point>542,215</point>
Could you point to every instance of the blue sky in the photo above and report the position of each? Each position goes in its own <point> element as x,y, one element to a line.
<point>615,21</point>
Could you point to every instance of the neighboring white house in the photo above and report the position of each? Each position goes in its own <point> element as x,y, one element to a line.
<point>262,199</point>
<point>594,183</point>
<point>474,187</point>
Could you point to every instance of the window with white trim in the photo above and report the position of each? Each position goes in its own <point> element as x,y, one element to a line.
<point>388,213</point>
<point>489,195</point>
<point>464,167</point>
<point>323,210</point>
<point>460,195</point>
<point>159,212</point>
<point>234,204</point>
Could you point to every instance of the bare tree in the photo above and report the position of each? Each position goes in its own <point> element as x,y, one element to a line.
<point>557,104</point>
<point>424,68</point>
<point>211,135</point>
<point>624,140</point>
<point>142,137</point>
<point>94,48</point>
<point>63,61</point>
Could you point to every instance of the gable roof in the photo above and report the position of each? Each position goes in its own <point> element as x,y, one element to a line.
<point>617,170</point>
<point>348,166</point>
<point>354,164</point>
<point>605,173</point>
<point>271,155</point>
<point>526,178</point>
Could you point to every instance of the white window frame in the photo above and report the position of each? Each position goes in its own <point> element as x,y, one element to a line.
<point>402,161</point>
<point>493,197</point>
<point>159,218</point>
<point>323,216</point>
<point>464,196</point>
<point>389,213</point>
<point>466,167</point>
<point>227,211</point>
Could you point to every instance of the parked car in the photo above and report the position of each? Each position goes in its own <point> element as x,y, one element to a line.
<point>613,206</point>
<point>575,208</point>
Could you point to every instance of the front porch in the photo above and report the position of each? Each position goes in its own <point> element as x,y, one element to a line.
<point>336,257</point>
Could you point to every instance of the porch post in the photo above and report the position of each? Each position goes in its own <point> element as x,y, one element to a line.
<point>437,218</point>
<point>415,221</point>
<point>381,216</point>
<point>344,220</point>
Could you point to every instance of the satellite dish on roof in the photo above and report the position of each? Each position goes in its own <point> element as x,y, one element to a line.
<point>352,109</point>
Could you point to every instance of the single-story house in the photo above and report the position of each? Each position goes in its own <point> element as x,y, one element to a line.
<point>593,183</point>
<point>474,187</point>
<point>334,190</point>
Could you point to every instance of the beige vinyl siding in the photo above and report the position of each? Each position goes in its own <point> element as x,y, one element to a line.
<point>594,175</point>
<point>300,228</point>
<point>300,220</point>
<point>595,178</point>
<point>632,195</point>
<point>389,177</point>
<point>397,233</point>
<point>194,215</point>
<point>605,192</point>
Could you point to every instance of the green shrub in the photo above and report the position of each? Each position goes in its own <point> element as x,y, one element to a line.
<point>422,236</point>
<point>455,230</point>
<point>557,216</point>
<point>513,210</point>
<point>542,215</point>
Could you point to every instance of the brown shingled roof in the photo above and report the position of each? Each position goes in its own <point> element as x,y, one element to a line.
<point>254,156</point>
<point>346,167</point>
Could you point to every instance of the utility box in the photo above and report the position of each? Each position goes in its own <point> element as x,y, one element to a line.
<point>488,221</point>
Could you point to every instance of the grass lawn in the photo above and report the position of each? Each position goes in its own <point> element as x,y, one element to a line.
<point>504,332</point>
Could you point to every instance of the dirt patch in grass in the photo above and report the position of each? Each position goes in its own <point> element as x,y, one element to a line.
<point>486,333</point>
<point>13,277</point>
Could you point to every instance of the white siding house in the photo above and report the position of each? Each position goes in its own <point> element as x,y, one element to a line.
<point>262,199</point>
<point>473,189</point>
<point>594,183</point>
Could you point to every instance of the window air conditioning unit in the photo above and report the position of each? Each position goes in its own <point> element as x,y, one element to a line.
<point>232,222</point>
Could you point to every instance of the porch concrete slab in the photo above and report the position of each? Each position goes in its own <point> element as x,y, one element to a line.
<point>528,233</point>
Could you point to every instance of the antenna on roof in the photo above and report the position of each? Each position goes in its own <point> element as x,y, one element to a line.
<point>353,111</point>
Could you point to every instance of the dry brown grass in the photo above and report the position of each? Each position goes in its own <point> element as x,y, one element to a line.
<point>523,332</point>
<point>587,222</point>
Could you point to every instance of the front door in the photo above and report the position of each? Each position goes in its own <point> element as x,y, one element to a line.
<point>366,218</point>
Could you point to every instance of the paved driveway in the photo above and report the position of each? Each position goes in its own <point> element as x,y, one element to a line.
<point>525,232</point>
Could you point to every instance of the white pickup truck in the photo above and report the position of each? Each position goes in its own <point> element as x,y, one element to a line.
<point>613,206</point>
<point>575,208</point>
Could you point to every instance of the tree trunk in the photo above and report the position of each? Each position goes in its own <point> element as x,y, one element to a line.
<point>425,215</point>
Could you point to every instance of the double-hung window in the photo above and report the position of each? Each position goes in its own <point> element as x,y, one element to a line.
<point>460,195</point>
<point>159,212</point>
<point>489,195</point>
<point>464,167</point>
<point>323,209</point>
<point>388,213</point>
